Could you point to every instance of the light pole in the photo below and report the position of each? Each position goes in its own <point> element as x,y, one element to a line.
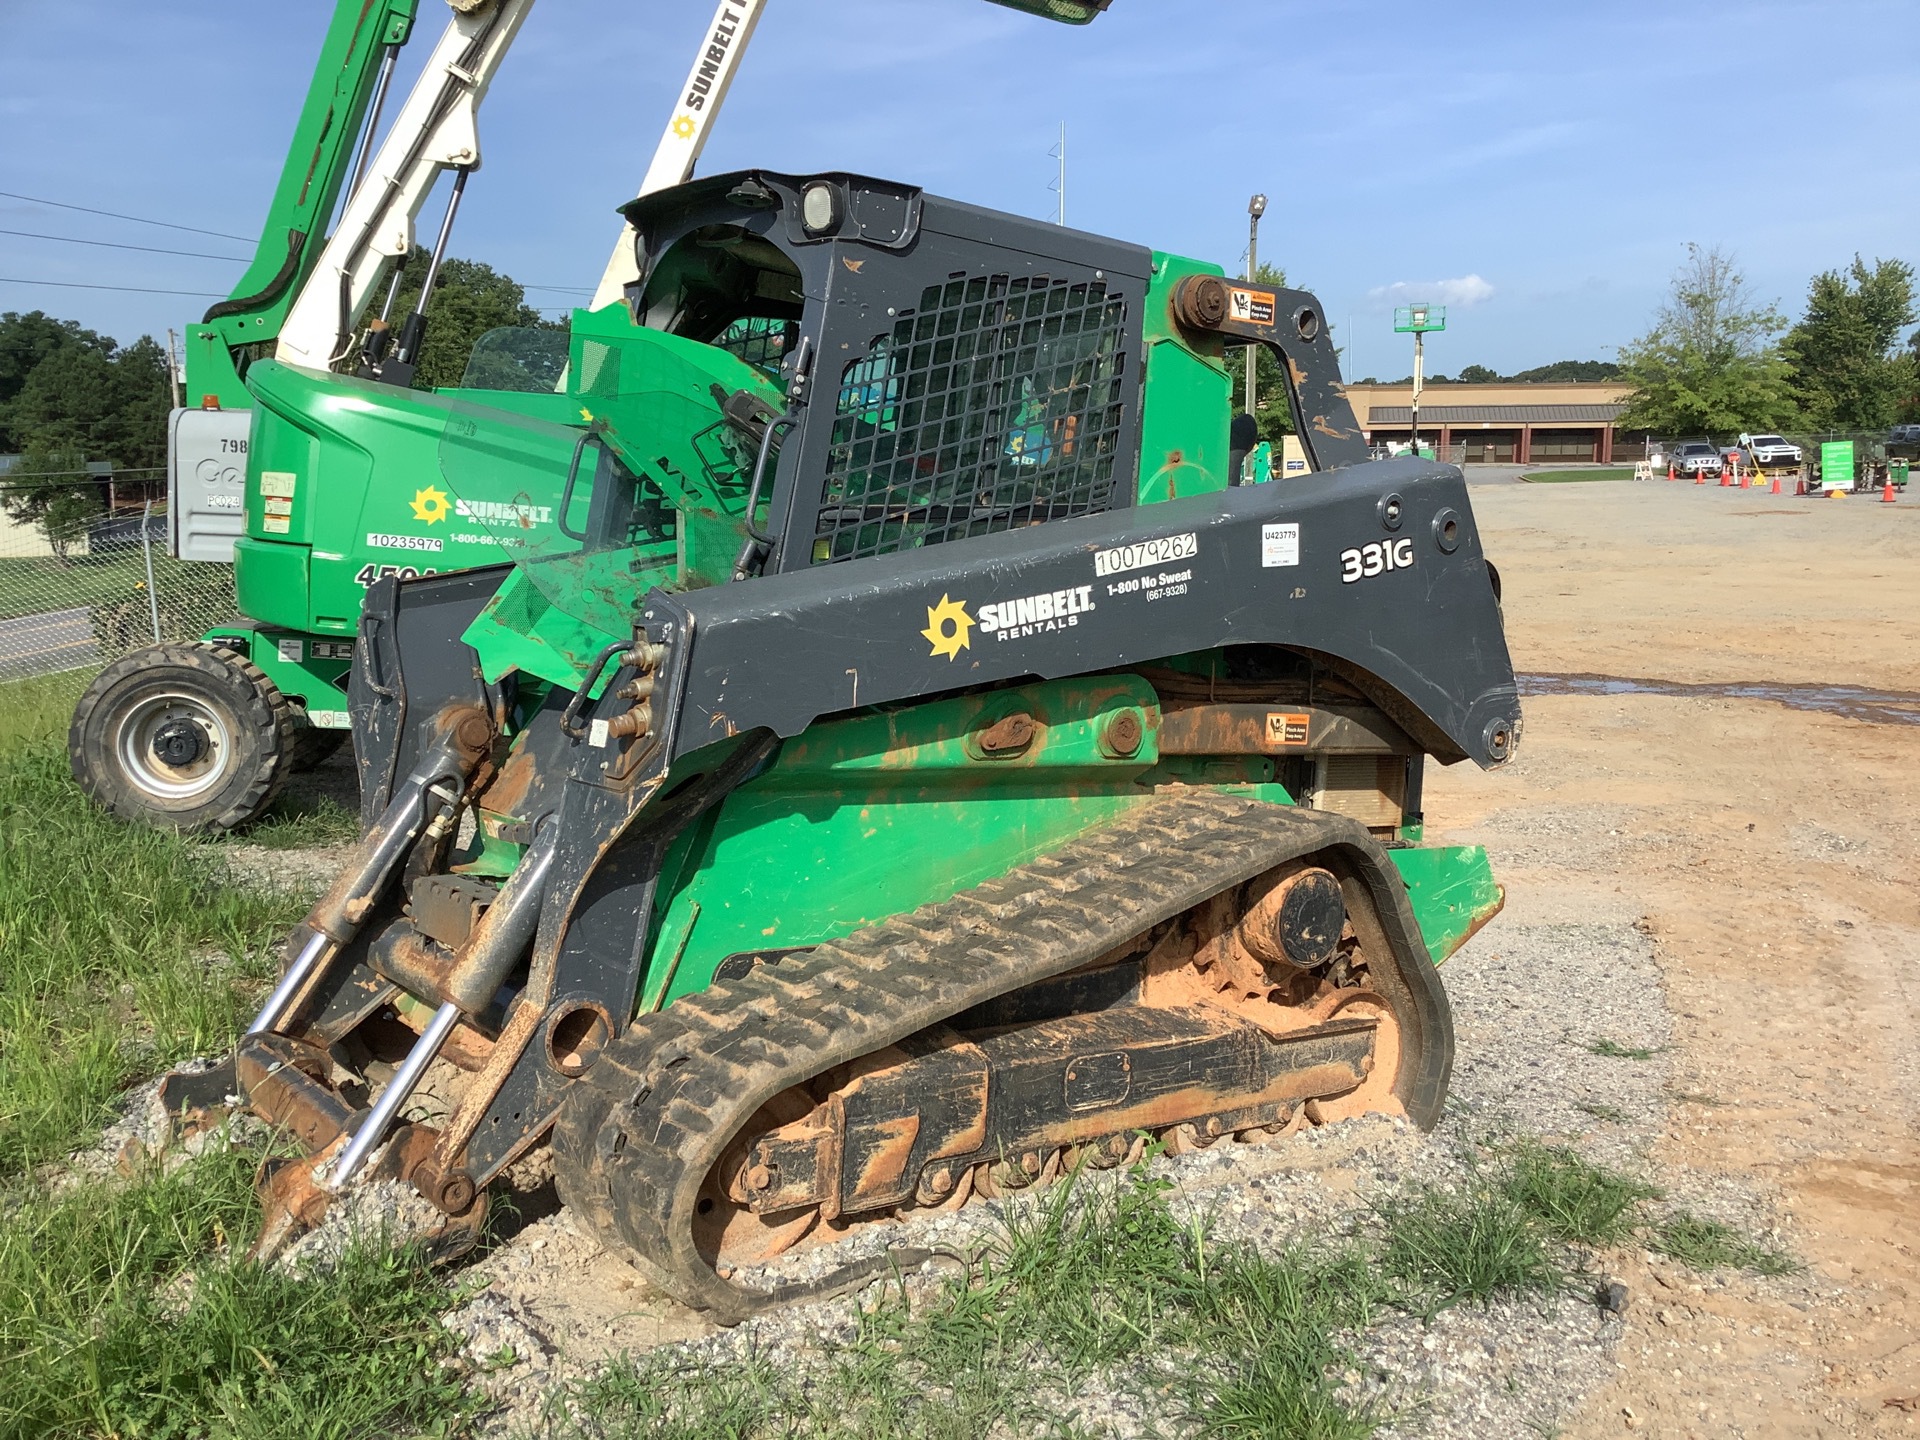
<point>1419,319</point>
<point>1256,207</point>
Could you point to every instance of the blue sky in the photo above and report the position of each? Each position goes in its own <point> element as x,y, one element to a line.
<point>1540,167</point>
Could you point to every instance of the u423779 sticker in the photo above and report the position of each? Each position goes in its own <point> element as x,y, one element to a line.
<point>1375,558</point>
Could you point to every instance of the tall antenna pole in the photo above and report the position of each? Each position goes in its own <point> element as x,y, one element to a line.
<point>1059,185</point>
<point>1256,207</point>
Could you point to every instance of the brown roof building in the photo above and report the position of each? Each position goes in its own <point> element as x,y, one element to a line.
<point>1502,424</point>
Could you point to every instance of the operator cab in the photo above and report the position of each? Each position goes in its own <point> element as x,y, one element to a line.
<point>949,371</point>
<point>725,286</point>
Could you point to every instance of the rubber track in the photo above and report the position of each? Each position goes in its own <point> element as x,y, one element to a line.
<point>638,1135</point>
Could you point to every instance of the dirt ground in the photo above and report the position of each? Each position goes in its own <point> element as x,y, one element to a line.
<point>1772,854</point>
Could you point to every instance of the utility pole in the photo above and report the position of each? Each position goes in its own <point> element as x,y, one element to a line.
<point>1419,319</point>
<point>1256,207</point>
<point>1419,383</point>
<point>173,368</point>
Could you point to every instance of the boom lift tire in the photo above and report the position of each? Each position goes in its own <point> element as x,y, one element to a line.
<point>184,737</point>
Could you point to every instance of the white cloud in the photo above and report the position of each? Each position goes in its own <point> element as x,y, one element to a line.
<point>1467,291</point>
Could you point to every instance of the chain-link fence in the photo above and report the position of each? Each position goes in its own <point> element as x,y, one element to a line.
<point>81,587</point>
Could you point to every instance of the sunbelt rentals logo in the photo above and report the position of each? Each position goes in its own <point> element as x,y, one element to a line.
<point>950,627</point>
<point>430,505</point>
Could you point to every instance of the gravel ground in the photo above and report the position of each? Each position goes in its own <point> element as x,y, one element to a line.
<point>143,1132</point>
<point>1534,1005</point>
<point>1530,1003</point>
<point>1529,1006</point>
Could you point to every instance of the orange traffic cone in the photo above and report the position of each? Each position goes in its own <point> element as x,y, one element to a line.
<point>1699,477</point>
<point>1672,474</point>
<point>1724,481</point>
<point>1886,493</point>
<point>1776,482</point>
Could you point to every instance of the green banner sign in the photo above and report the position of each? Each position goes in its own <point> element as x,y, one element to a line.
<point>1836,465</point>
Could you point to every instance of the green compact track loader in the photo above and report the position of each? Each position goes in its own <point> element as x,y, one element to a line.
<point>904,765</point>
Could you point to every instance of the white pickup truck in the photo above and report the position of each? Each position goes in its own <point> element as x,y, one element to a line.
<point>1767,451</point>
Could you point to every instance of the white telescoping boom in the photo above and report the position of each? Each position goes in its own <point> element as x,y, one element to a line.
<point>437,130</point>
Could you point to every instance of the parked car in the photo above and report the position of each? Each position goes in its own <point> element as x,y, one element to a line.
<point>1904,435</point>
<point>1771,450</point>
<point>1697,457</point>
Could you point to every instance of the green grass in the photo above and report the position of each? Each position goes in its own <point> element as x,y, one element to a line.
<point>1477,1245</point>
<point>1572,1199</point>
<point>36,711</point>
<point>1089,1281</point>
<point>29,586</point>
<point>1614,1050</point>
<point>1111,1286</point>
<point>123,1313</point>
<point>121,1310</point>
<point>302,823</point>
<point>1702,1244</point>
<point>125,951</point>
<point>1575,477</point>
<point>201,593</point>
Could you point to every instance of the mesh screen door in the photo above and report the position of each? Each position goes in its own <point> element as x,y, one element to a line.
<point>995,403</point>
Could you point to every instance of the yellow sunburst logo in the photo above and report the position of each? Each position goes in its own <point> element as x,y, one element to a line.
<point>430,506</point>
<point>948,627</point>
<point>683,126</point>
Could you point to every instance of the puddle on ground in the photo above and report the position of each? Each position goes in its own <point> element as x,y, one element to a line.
<point>1880,707</point>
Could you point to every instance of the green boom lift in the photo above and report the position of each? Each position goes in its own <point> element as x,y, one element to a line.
<point>202,736</point>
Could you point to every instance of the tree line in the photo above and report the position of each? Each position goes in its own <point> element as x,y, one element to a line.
<point>1716,361</point>
<point>1560,372</point>
<point>70,395</point>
